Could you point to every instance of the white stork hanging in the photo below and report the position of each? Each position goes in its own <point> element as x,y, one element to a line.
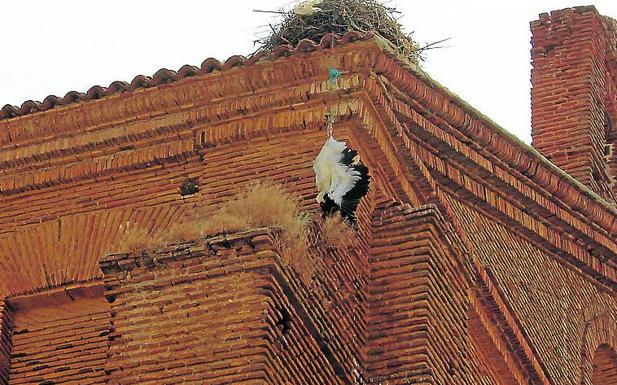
<point>342,180</point>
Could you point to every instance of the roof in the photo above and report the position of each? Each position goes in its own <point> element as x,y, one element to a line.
<point>593,217</point>
<point>210,65</point>
<point>165,75</point>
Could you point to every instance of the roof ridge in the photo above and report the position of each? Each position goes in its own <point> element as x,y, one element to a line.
<point>165,75</point>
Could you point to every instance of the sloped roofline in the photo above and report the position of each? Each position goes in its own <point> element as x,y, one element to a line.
<point>164,75</point>
<point>210,65</point>
<point>509,138</point>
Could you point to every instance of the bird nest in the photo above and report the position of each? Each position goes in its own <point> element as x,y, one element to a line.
<point>312,19</point>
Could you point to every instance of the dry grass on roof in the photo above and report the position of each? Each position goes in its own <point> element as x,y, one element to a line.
<point>336,232</point>
<point>261,204</point>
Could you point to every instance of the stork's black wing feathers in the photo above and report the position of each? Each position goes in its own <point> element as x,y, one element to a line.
<point>361,187</point>
<point>348,156</point>
<point>328,207</point>
<point>352,198</point>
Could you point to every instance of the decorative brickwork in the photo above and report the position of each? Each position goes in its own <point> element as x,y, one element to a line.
<point>218,312</point>
<point>489,168</point>
<point>475,261</point>
<point>418,300</point>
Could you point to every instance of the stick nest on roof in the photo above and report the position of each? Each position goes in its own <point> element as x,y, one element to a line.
<point>312,19</point>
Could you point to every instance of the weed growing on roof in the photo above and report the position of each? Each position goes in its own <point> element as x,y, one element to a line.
<point>261,204</point>
<point>135,239</point>
<point>337,232</point>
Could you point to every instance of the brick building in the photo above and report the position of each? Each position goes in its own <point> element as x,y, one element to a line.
<point>478,260</point>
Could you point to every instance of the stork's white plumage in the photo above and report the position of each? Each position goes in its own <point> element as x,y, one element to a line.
<point>306,8</point>
<point>340,177</point>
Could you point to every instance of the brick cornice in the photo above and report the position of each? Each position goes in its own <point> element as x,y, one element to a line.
<point>276,76</point>
<point>165,76</point>
<point>487,135</point>
<point>134,129</point>
<point>174,121</point>
<point>532,213</point>
<point>167,141</point>
<point>513,190</point>
<point>162,255</point>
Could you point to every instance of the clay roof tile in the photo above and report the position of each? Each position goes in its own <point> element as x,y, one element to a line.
<point>164,75</point>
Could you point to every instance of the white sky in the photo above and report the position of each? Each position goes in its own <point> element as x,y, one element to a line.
<point>52,47</point>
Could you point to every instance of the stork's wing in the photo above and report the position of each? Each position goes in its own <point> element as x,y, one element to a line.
<point>351,199</point>
<point>343,180</point>
<point>339,175</point>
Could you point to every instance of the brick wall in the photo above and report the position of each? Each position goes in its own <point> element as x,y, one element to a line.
<point>218,312</point>
<point>419,303</point>
<point>605,366</point>
<point>572,94</point>
<point>6,331</point>
<point>56,229</point>
<point>566,316</point>
<point>60,340</point>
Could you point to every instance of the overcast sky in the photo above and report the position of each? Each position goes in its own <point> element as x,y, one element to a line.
<point>52,47</point>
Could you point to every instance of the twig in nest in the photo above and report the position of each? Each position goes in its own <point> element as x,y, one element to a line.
<point>434,45</point>
<point>265,11</point>
<point>339,17</point>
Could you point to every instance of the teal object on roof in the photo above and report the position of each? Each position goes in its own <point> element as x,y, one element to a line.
<point>333,75</point>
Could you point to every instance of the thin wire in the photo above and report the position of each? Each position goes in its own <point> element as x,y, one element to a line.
<point>330,123</point>
<point>333,75</point>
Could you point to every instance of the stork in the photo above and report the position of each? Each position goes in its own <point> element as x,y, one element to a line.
<point>342,180</point>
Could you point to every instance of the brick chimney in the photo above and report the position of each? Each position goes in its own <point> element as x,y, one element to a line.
<point>573,95</point>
